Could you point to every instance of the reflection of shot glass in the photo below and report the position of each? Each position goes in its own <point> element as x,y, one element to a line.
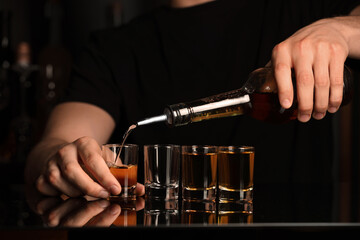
<point>127,216</point>
<point>203,212</point>
<point>158,212</point>
<point>199,172</point>
<point>235,212</point>
<point>123,165</point>
<point>162,165</point>
<point>236,173</point>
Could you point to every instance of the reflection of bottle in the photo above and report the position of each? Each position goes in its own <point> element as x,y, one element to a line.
<point>258,98</point>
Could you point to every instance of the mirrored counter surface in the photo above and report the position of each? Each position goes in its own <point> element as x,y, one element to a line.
<point>291,209</point>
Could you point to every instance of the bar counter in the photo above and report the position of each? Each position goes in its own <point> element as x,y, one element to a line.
<point>290,210</point>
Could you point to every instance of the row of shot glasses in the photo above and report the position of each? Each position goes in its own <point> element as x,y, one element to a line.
<point>206,173</point>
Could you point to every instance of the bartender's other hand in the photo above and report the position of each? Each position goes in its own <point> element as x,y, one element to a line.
<point>317,54</point>
<point>66,172</point>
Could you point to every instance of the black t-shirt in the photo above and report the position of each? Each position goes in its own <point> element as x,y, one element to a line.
<point>177,55</point>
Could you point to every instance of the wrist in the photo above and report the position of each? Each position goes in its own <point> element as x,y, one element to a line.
<point>349,28</point>
<point>39,156</point>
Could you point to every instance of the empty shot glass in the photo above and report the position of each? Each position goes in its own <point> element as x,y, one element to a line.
<point>162,170</point>
<point>236,173</point>
<point>123,164</point>
<point>199,173</point>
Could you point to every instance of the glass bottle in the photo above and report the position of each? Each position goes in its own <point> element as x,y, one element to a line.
<point>258,98</point>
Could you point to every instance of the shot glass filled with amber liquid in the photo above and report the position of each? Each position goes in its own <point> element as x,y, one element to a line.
<point>236,173</point>
<point>122,161</point>
<point>199,173</point>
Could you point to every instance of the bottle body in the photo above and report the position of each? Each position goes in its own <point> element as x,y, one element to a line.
<point>257,98</point>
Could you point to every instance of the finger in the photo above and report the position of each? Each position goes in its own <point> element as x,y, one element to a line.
<point>75,174</point>
<point>80,217</point>
<point>47,204</point>
<point>322,87</point>
<point>45,188</point>
<point>107,217</point>
<point>54,177</point>
<point>282,65</point>
<point>336,84</point>
<point>140,189</point>
<point>56,215</point>
<point>140,204</point>
<point>90,154</point>
<point>305,89</point>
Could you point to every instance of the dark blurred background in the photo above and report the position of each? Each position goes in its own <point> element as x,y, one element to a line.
<point>40,39</point>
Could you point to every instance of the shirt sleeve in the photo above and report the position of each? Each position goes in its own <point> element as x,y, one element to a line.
<point>92,80</point>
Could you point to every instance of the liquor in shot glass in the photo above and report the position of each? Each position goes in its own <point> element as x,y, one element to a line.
<point>127,177</point>
<point>236,173</point>
<point>199,175</point>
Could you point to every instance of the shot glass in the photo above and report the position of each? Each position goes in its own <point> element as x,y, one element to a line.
<point>199,173</point>
<point>123,164</point>
<point>162,170</point>
<point>236,173</point>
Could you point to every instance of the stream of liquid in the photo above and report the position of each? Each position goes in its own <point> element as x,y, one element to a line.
<point>127,133</point>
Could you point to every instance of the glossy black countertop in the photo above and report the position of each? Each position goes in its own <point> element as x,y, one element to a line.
<point>283,210</point>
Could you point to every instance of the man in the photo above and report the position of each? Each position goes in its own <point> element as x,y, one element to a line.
<point>191,50</point>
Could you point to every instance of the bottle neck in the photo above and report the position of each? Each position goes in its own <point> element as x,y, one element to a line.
<point>222,105</point>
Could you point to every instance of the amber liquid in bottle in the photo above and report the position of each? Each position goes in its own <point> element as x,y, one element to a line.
<point>266,107</point>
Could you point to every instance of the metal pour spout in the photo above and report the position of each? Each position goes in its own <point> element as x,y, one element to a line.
<point>160,118</point>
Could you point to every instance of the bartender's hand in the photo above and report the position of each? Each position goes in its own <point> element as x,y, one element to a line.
<point>67,172</point>
<point>317,54</point>
<point>64,162</point>
<point>78,169</point>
